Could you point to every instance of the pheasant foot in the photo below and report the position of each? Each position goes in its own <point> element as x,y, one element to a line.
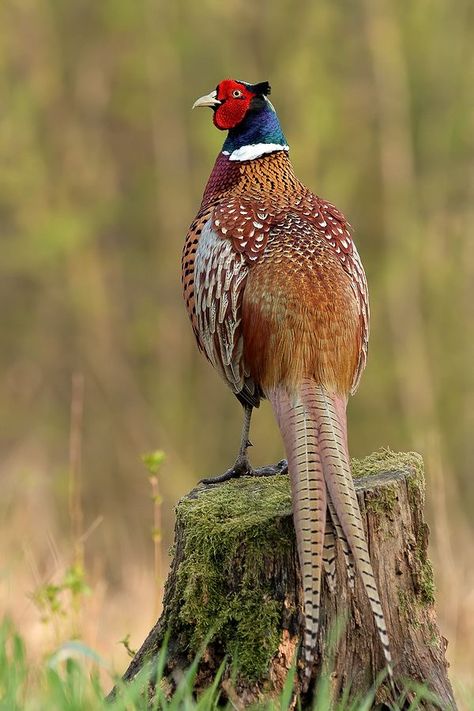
<point>242,467</point>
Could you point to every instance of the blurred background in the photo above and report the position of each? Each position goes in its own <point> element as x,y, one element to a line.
<point>102,167</point>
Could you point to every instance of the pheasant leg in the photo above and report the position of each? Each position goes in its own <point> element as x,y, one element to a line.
<point>242,466</point>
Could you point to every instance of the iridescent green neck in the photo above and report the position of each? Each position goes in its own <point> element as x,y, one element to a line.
<point>260,127</point>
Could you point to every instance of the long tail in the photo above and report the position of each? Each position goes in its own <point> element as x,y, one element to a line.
<point>299,431</point>
<point>329,411</point>
<point>314,431</point>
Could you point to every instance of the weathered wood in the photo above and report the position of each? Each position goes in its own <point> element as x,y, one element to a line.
<point>235,576</point>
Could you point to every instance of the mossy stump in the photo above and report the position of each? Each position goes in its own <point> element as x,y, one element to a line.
<point>234,591</point>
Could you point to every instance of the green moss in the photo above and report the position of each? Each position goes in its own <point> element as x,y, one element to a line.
<point>403,602</point>
<point>384,460</point>
<point>383,500</point>
<point>426,589</point>
<point>246,620</point>
<point>413,606</point>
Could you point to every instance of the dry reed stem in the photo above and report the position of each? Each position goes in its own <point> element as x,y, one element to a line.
<point>76,514</point>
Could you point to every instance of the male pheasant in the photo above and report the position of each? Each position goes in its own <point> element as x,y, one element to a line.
<point>278,302</point>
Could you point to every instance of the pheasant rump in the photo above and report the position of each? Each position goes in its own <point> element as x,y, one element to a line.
<point>278,302</point>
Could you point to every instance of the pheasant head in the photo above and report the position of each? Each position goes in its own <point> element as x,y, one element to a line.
<point>244,110</point>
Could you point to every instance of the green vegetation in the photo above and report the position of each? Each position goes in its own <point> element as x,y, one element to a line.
<point>426,591</point>
<point>53,599</point>
<point>384,460</point>
<point>220,519</point>
<point>384,500</point>
<point>70,681</point>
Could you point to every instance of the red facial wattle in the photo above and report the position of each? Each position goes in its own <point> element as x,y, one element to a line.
<point>235,98</point>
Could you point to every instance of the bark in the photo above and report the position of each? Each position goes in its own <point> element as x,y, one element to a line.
<point>235,577</point>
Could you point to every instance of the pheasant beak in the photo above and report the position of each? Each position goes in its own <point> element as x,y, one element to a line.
<point>208,100</point>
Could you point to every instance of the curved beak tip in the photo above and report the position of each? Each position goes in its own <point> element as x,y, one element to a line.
<point>207,100</point>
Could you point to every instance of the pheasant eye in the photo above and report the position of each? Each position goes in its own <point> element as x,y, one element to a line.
<point>237,94</point>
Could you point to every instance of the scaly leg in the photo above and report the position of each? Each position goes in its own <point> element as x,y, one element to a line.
<point>242,466</point>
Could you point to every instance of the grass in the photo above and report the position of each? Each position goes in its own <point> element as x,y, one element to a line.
<point>70,680</point>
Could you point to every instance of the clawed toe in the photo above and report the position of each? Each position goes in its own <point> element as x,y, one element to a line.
<point>229,474</point>
<point>243,468</point>
<point>272,470</point>
<point>240,468</point>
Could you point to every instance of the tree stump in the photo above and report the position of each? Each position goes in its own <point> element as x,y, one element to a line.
<point>234,587</point>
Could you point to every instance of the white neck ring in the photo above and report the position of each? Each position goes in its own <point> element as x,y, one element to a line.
<point>254,150</point>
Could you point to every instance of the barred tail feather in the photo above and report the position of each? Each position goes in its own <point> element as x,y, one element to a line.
<point>348,557</point>
<point>299,431</point>
<point>329,413</point>
<point>329,555</point>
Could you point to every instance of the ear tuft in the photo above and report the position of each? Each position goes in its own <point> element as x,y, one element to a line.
<point>262,89</point>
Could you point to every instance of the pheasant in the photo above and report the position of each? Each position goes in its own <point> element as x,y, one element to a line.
<point>278,301</point>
